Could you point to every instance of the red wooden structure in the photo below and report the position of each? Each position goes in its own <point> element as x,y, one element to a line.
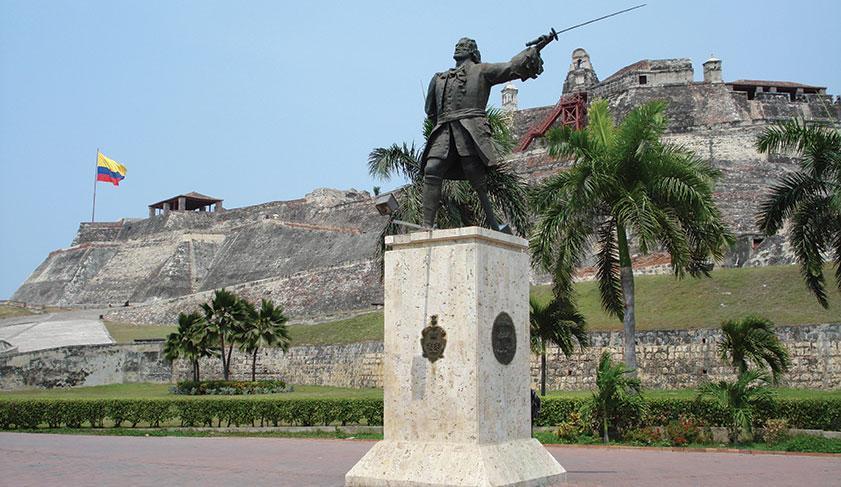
<point>572,111</point>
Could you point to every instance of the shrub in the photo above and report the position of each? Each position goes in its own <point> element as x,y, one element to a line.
<point>230,387</point>
<point>647,435</point>
<point>776,430</point>
<point>683,431</point>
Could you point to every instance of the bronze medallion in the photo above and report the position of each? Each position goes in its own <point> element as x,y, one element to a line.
<point>433,340</point>
<point>504,338</point>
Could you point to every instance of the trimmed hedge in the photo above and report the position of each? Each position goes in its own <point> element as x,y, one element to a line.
<point>230,387</point>
<point>55,413</point>
<point>824,414</point>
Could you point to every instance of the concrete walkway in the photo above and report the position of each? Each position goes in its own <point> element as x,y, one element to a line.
<point>44,459</point>
<point>50,330</point>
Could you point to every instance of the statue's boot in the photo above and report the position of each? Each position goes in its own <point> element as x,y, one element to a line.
<point>431,199</point>
<point>490,218</point>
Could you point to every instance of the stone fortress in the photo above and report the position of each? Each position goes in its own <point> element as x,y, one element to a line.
<point>316,255</point>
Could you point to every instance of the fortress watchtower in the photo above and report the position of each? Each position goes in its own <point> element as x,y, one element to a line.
<point>191,201</point>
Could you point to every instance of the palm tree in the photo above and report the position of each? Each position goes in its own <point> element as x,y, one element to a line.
<point>740,397</point>
<point>555,322</point>
<point>224,315</point>
<point>189,342</point>
<point>616,387</point>
<point>624,185</point>
<point>460,206</point>
<point>265,327</point>
<point>752,339</point>
<point>810,199</point>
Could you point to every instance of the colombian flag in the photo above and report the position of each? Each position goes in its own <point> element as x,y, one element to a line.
<point>109,170</point>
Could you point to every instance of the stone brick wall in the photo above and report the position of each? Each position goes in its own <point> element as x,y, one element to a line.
<point>348,365</point>
<point>666,358</point>
<point>84,365</point>
<point>97,232</point>
<point>684,358</point>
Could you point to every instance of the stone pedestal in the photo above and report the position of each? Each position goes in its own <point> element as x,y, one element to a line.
<point>462,419</point>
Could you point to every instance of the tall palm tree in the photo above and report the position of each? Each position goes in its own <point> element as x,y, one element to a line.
<point>810,199</point>
<point>264,327</point>
<point>625,185</point>
<point>460,205</point>
<point>740,397</point>
<point>752,339</point>
<point>615,388</point>
<point>555,322</point>
<point>224,315</point>
<point>190,341</point>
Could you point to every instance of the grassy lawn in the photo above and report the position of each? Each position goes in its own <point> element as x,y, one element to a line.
<point>7,311</point>
<point>161,391</point>
<point>663,302</point>
<point>127,333</point>
<point>362,328</point>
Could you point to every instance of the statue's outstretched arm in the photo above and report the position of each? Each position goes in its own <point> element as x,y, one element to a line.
<point>526,64</point>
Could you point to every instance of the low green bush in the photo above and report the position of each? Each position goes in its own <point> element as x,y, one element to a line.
<point>230,387</point>
<point>56,413</point>
<point>824,414</point>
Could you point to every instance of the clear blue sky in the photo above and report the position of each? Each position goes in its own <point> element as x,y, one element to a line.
<point>260,101</point>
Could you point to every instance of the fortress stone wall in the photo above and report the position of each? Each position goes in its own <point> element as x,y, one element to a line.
<point>666,358</point>
<point>315,255</point>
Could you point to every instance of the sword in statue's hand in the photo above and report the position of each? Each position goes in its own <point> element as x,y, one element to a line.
<point>545,39</point>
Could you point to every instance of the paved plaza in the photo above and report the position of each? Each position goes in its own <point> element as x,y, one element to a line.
<point>69,460</point>
<point>50,330</point>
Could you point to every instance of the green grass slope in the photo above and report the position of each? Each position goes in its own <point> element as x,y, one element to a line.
<point>663,302</point>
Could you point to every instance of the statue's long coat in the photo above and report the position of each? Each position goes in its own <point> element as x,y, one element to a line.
<point>465,103</point>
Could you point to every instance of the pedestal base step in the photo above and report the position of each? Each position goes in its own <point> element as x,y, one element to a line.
<point>521,463</point>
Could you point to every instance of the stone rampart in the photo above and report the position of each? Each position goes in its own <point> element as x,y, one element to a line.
<point>85,365</point>
<point>667,359</point>
<point>348,365</point>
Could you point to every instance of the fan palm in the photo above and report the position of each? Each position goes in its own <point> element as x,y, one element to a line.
<point>460,205</point>
<point>752,339</point>
<point>224,314</point>
<point>810,199</point>
<point>190,341</point>
<point>615,388</point>
<point>264,327</point>
<point>555,322</point>
<point>625,184</point>
<point>740,397</point>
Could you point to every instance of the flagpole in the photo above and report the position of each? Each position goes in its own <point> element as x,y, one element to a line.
<point>95,175</point>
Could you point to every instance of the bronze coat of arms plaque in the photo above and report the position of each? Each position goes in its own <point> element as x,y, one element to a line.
<point>504,338</point>
<point>433,340</point>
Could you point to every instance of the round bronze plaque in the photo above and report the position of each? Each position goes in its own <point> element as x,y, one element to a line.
<point>504,338</point>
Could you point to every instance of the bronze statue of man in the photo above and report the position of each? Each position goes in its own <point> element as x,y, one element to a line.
<point>460,144</point>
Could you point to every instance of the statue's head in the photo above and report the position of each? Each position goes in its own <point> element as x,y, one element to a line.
<point>467,48</point>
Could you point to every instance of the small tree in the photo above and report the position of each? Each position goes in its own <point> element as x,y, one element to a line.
<point>265,327</point>
<point>625,186</point>
<point>556,322</point>
<point>809,199</point>
<point>752,339</point>
<point>224,315</point>
<point>741,398</point>
<point>616,389</point>
<point>189,342</point>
